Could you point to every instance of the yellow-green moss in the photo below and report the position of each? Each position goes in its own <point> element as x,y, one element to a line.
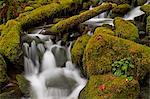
<point>104,30</point>
<point>121,9</point>
<point>148,25</point>
<point>23,85</point>
<point>78,49</point>
<point>10,40</point>
<point>146,9</point>
<point>28,8</point>
<point>104,49</point>
<point>114,88</point>
<point>126,29</point>
<point>119,1</point>
<point>3,75</point>
<point>64,25</point>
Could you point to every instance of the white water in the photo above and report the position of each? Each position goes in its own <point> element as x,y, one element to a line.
<point>47,80</point>
<point>101,19</point>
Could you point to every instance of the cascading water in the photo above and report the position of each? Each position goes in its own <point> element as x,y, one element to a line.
<point>48,80</point>
<point>103,19</point>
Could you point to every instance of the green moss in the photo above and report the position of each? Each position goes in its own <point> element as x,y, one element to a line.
<point>148,25</point>
<point>119,1</point>
<point>10,40</point>
<point>104,30</point>
<point>113,88</point>
<point>28,8</point>
<point>126,29</point>
<point>3,75</point>
<point>13,94</point>
<point>78,49</point>
<point>23,85</point>
<point>69,23</point>
<point>141,2</point>
<point>146,9</point>
<point>103,49</point>
<point>121,9</point>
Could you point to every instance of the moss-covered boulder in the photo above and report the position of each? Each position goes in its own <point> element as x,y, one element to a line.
<point>126,29</point>
<point>103,50</point>
<point>146,9</point>
<point>120,1</point>
<point>3,70</point>
<point>120,10</point>
<point>10,40</point>
<point>24,85</point>
<point>12,94</point>
<point>140,2</point>
<point>110,87</point>
<point>78,49</point>
<point>28,8</point>
<point>148,25</point>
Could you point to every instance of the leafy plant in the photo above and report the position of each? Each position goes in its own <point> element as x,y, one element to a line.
<point>121,67</point>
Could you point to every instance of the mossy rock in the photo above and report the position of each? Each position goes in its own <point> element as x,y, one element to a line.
<point>10,40</point>
<point>126,29</point>
<point>28,8</point>
<point>110,87</point>
<point>146,9</point>
<point>78,49</point>
<point>120,10</point>
<point>3,70</point>
<point>120,1</point>
<point>148,25</point>
<point>24,85</point>
<point>12,94</point>
<point>103,50</point>
<point>140,2</point>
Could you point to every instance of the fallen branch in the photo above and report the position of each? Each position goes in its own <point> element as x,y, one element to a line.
<point>69,23</point>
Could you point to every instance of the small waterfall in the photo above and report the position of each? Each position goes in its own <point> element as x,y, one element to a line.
<point>102,18</point>
<point>48,80</point>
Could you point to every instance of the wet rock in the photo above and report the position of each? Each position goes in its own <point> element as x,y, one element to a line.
<point>12,94</point>
<point>110,87</point>
<point>146,9</point>
<point>141,2</point>
<point>120,10</point>
<point>78,49</point>
<point>125,29</point>
<point>104,49</point>
<point>24,85</point>
<point>3,70</point>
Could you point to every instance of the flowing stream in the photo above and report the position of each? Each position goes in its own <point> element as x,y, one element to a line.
<point>49,67</point>
<point>50,75</point>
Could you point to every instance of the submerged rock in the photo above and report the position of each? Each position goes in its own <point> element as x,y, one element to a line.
<point>125,29</point>
<point>110,87</point>
<point>78,49</point>
<point>103,49</point>
<point>3,75</point>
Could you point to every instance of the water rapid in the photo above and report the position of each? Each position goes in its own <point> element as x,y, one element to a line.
<point>51,73</point>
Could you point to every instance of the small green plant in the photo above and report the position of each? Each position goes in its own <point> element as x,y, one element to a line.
<point>121,67</point>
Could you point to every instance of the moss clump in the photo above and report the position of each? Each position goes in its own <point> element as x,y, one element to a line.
<point>64,25</point>
<point>119,1</point>
<point>148,25</point>
<point>126,29</point>
<point>103,50</point>
<point>120,10</point>
<point>28,8</point>
<point>140,2</point>
<point>3,75</point>
<point>23,85</point>
<point>104,30</point>
<point>146,9</point>
<point>110,87</point>
<point>78,49</point>
<point>10,40</point>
